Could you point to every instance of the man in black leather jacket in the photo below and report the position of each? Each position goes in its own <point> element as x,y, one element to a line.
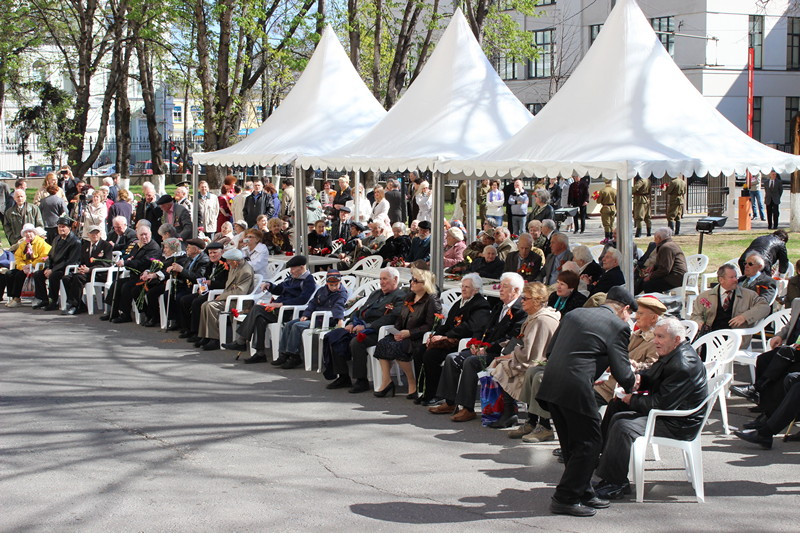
<point>676,381</point>
<point>772,248</point>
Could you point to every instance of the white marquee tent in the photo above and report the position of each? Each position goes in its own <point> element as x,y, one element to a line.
<point>626,110</point>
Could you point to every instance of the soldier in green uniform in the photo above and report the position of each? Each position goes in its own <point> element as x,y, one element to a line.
<point>676,190</point>
<point>641,204</point>
<point>483,192</point>
<point>608,199</point>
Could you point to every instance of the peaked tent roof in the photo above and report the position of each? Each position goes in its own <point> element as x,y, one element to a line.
<point>328,106</point>
<point>626,110</point>
<point>457,107</point>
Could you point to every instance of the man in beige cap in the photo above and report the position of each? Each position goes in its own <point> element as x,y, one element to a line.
<point>240,281</point>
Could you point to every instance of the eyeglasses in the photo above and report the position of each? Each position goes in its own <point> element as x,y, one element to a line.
<point>415,280</point>
<point>525,298</point>
<point>751,264</point>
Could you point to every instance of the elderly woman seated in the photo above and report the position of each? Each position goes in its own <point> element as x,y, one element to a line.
<point>528,351</point>
<point>397,245</point>
<point>416,318</point>
<point>378,233</point>
<point>454,247</point>
<point>566,296</point>
<point>276,239</point>
<point>155,282</point>
<point>470,313</point>
<point>352,250</point>
<point>488,265</point>
<point>332,297</point>
<point>588,266</point>
<point>319,240</point>
<point>225,234</point>
<point>255,251</point>
<point>31,251</point>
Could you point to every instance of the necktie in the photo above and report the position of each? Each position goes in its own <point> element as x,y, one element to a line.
<point>726,302</point>
<point>91,250</point>
<point>503,312</point>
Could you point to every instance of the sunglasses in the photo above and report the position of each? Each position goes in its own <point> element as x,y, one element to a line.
<point>415,280</point>
<point>751,264</point>
<point>525,298</point>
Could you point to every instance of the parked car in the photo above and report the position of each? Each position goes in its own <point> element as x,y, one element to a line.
<point>107,170</point>
<point>5,175</point>
<point>38,171</point>
<point>146,167</point>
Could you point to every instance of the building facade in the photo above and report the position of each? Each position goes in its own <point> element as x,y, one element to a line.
<point>709,40</point>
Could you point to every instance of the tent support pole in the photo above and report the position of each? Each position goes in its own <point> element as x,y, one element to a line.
<point>356,199</point>
<point>625,226</point>
<point>299,210</point>
<point>437,228</point>
<point>195,176</point>
<point>469,217</point>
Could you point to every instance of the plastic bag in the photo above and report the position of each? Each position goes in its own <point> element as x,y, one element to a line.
<point>491,399</point>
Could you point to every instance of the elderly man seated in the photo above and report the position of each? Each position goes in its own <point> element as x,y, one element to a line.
<point>459,381</point>
<point>297,289</point>
<point>31,251</point>
<point>526,261</point>
<point>559,254</point>
<point>488,265</point>
<point>669,267</point>
<point>240,281</point>
<point>503,242</point>
<point>612,275</point>
<point>66,251</point>
<point>214,276</point>
<point>122,237</point>
<point>332,297</point>
<point>727,305</point>
<point>120,295</point>
<point>763,429</point>
<point>677,380</point>
<point>421,244</point>
<point>756,280</point>
<point>184,276</point>
<point>360,332</point>
<point>156,282</point>
<point>94,253</point>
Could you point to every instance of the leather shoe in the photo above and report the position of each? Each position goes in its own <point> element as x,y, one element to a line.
<point>293,361</point>
<point>121,319</point>
<point>105,317</point>
<point>755,424</point>
<point>212,344</point>
<point>572,509</point>
<point>201,341</point>
<point>39,305</point>
<point>193,339</point>
<point>360,385</point>
<point>443,408</point>
<point>612,491</point>
<point>280,360</point>
<point>258,357</point>
<point>464,415</point>
<point>503,423</point>
<point>752,435</point>
<point>748,392</point>
<point>150,323</point>
<point>235,346</point>
<point>340,383</point>
<point>52,307</point>
<point>185,334</point>
<point>596,503</point>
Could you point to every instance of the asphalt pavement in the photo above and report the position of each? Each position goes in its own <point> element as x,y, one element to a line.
<point>122,428</point>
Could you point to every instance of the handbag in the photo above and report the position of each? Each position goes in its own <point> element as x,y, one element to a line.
<point>491,399</point>
<point>444,344</point>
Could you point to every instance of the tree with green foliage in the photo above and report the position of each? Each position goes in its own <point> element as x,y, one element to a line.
<point>49,119</point>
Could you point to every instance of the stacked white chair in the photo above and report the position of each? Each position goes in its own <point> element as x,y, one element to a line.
<point>721,347</point>
<point>759,342</point>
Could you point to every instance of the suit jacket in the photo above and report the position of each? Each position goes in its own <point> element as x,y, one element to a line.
<point>594,271</point>
<point>340,229</point>
<point>675,381</point>
<point>150,212</point>
<point>420,249</point>
<point>121,242</point>
<point>194,268</point>
<point>772,194</point>
<point>787,329</point>
<point>670,263</point>
<point>102,250</point>
<point>64,252</point>
<point>240,281</point>
<point>397,206</point>
<point>745,302</point>
<point>418,317</point>
<point>254,207</point>
<point>610,278</point>
<point>763,285</point>
<point>499,329</point>
<point>140,256</point>
<point>217,274</point>
<point>532,263</point>
<point>505,248</point>
<point>550,264</point>
<point>181,219</point>
<point>461,322</point>
<point>381,309</point>
<point>586,342</point>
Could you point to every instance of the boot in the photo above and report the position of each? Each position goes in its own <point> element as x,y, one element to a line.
<point>638,232</point>
<point>648,231</point>
<point>677,227</point>
<point>671,225</point>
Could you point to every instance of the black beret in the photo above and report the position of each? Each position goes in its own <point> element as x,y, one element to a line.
<point>621,295</point>
<point>214,246</point>
<point>296,261</point>
<point>165,199</point>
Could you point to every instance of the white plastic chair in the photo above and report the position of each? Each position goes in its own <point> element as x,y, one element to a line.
<point>285,314</point>
<point>721,347</point>
<point>696,265</point>
<point>279,275</point>
<point>377,373</point>
<point>319,278</point>
<point>691,329</point>
<point>239,301</point>
<point>759,342</point>
<point>322,318</point>
<point>448,298</point>
<point>273,268</point>
<point>372,262</point>
<point>95,290</point>
<point>692,449</point>
<point>596,251</point>
<point>62,293</point>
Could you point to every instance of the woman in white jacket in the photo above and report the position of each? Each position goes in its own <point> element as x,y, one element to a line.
<point>424,199</point>
<point>495,202</point>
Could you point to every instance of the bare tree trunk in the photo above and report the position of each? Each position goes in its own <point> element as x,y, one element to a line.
<point>376,49</point>
<point>320,17</point>
<point>353,31</point>
<point>149,98</point>
<point>423,54</point>
<point>397,73</point>
<point>122,122</point>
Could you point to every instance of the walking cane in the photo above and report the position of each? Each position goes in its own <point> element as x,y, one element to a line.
<point>116,287</point>
<point>169,300</point>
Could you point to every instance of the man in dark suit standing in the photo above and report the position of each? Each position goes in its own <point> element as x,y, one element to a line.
<point>95,253</point>
<point>147,209</point>
<point>397,203</point>
<point>255,204</point>
<point>459,382</point>
<point>773,189</point>
<point>587,341</point>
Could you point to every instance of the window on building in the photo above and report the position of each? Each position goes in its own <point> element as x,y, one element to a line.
<point>177,114</point>
<point>756,30</point>
<point>665,30</point>
<point>542,66</point>
<point>792,110</point>
<point>506,68</point>
<point>793,43</point>
<point>534,108</point>
<point>594,31</point>
<point>545,2</point>
<point>504,5</point>
<point>757,102</point>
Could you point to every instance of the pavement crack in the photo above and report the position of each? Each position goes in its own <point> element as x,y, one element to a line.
<point>181,452</point>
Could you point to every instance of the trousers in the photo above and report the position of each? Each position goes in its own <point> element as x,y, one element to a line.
<point>579,436</point>
<point>459,381</point>
<point>45,288</point>
<point>292,336</point>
